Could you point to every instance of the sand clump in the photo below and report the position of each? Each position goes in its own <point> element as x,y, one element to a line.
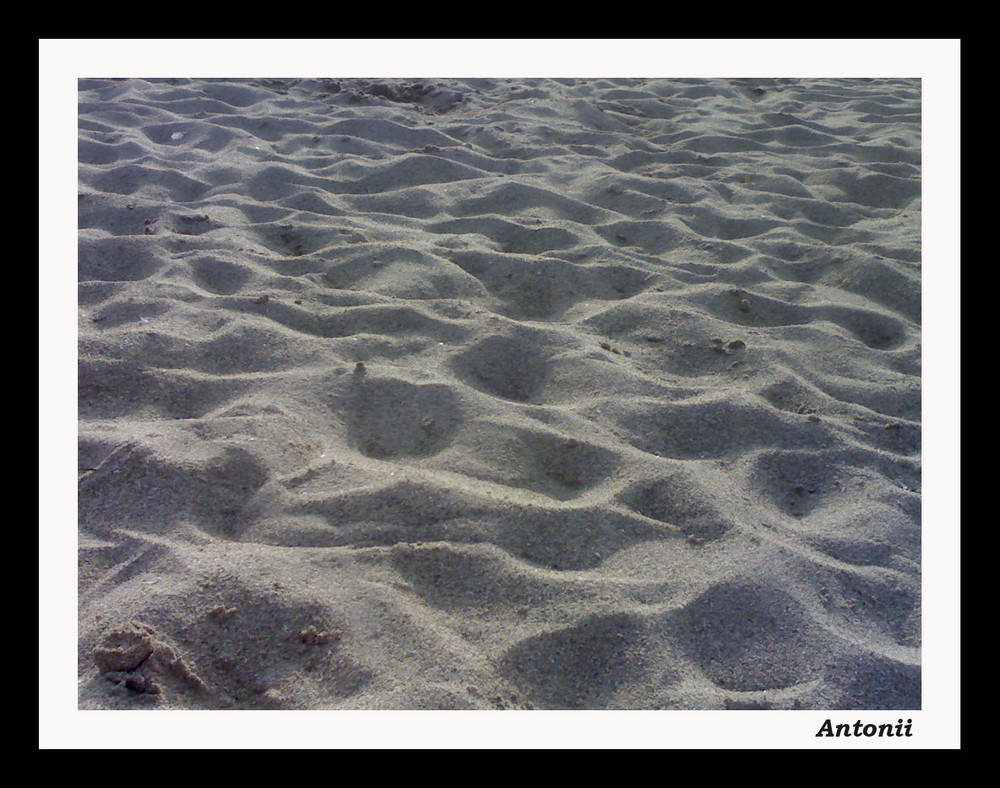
<point>499,394</point>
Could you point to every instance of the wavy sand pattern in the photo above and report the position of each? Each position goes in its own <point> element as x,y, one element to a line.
<point>476,394</point>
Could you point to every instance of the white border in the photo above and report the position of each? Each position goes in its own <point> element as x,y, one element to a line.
<point>63,61</point>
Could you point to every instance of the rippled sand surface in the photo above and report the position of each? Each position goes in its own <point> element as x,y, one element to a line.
<point>499,394</point>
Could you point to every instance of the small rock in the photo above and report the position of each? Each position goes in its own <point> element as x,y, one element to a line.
<point>221,612</point>
<point>124,649</point>
<point>314,637</point>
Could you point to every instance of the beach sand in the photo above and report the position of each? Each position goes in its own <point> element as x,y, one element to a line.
<point>489,394</point>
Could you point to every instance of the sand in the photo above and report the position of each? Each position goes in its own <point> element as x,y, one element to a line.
<point>499,394</point>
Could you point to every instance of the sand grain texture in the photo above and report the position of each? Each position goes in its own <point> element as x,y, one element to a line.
<point>499,394</point>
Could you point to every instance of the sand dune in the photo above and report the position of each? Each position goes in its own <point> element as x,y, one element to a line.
<point>499,394</point>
